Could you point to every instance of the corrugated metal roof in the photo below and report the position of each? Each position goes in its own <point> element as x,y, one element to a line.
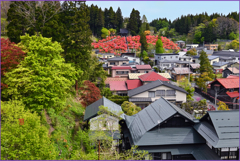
<point>150,117</point>
<point>219,64</point>
<point>117,59</point>
<point>140,99</point>
<point>195,66</point>
<point>92,110</point>
<point>136,75</point>
<point>234,70</point>
<point>229,82</point>
<point>170,136</point>
<point>152,85</point>
<point>212,57</point>
<point>121,67</point>
<point>132,84</point>
<point>118,86</point>
<point>114,79</point>
<point>182,70</point>
<point>152,76</point>
<point>143,67</point>
<point>203,152</point>
<point>225,129</point>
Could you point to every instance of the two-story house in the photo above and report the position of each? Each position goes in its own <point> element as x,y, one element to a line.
<point>121,71</point>
<point>117,61</point>
<point>148,93</point>
<point>167,133</point>
<point>143,68</point>
<point>224,53</point>
<point>211,46</point>
<point>158,57</point>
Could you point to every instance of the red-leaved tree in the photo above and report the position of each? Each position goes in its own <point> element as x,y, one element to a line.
<point>89,93</point>
<point>11,56</point>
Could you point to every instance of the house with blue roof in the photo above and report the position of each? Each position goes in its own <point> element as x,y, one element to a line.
<point>220,65</point>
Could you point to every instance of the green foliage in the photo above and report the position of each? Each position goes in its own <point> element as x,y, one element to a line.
<point>191,105</point>
<point>143,41</point>
<point>112,31</point>
<point>222,106</point>
<point>118,99</point>
<point>29,141</point>
<point>198,37</point>
<point>191,52</point>
<point>130,108</point>
<point>159,46</point>
<point>105,33</point>
<point>134,22</point>
<point>42,78</point>
<point>233,45</point>
<point>202,80</point>
<point>144,54</point>
<point>205,65</point>
<point>186,85</point>
<point>106,92</point>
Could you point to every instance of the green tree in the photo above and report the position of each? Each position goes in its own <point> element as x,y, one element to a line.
<point>43,78</point>
<point>112,18</point>
<point>143,41</point>
<point>159,46</point>
<point>233,45</point>
<point>192,105</point>
<point>222,106</point>
<point>119,19</point>
<point>23,137</point>
<point>105,33</point>
<point>191,52</point>
<point>202,81</point>
<point>112,31</point>
<point>106,92</point>
<point>197,37</point>
<point>77,37</point>
<point>186,85</point>
<point>130,108</point>
<point>205,65</point>
<point>134,22</point>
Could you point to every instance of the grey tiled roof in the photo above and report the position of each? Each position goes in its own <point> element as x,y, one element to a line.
<point>219,64</point>
<point>226,53</point>
<point>92,110</point>
<point>152,85</point>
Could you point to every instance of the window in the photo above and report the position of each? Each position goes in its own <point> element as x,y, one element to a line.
<point>184,59</point>
<point>122,94</point>
<point>112,63</point>
<point>176,56</point>
<point>231,90</point>
<point>164,57</point>
<point>171,57</point>
<point>233,155</point>
<point>151,94</point>
<point>146,72</point>
<point>160,93</point>
<point>171,93</point>
<point>123,63</point>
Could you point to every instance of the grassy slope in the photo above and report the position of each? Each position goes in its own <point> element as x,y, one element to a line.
<point>63,126</point>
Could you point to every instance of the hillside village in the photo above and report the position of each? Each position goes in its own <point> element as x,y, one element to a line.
<point>119,89</point>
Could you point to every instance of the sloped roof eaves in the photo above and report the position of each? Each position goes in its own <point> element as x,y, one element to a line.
<point>140,99</point>
<point>92,110</point>
<point>117,59</point>
<point>139,67</point>
<point>203,152</point>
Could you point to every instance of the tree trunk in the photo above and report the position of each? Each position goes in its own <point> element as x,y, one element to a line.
<point>76,85</point>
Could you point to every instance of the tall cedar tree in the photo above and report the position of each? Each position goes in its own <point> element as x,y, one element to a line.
<point>134,22</point>
<point>143,42</point>
<point>89,93</point>
<point>77,42</point>
<point>11,55</point>
<point>112,18</point>
<point>205,65</point>
<point>119,19</point>
<point>43,18</point>
<point>100,22</point>
<point>17,23</point>
<point>106,18</point>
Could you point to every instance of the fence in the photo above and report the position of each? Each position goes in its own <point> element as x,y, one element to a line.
<point>212,99</point>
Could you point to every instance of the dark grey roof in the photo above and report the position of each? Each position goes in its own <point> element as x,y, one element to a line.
<point>138,99</point>
<point>117,59</point>
<point>164,54</point>
<point>106,53</point>
<point>225,58</point>
<point>219,64</point>
<point>128,54</point>
<point>170,136</point>
<point>154,114</point>
<point>225,129</point>
<point>152,85</point>
<point>200,152</point>
<point>123,31</point>
<point>92,110</point>
<point>226,53</point>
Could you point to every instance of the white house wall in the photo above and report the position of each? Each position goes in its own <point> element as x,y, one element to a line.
<point>180,96</point>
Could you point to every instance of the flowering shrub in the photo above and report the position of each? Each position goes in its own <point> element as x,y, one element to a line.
<point>117,44</point>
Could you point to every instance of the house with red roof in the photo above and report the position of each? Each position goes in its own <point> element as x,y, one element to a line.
<point>228,90</point>
<point>118,88</point>
<point>152,76</point>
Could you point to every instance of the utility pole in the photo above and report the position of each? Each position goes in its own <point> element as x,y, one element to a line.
<point>189,72</point>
